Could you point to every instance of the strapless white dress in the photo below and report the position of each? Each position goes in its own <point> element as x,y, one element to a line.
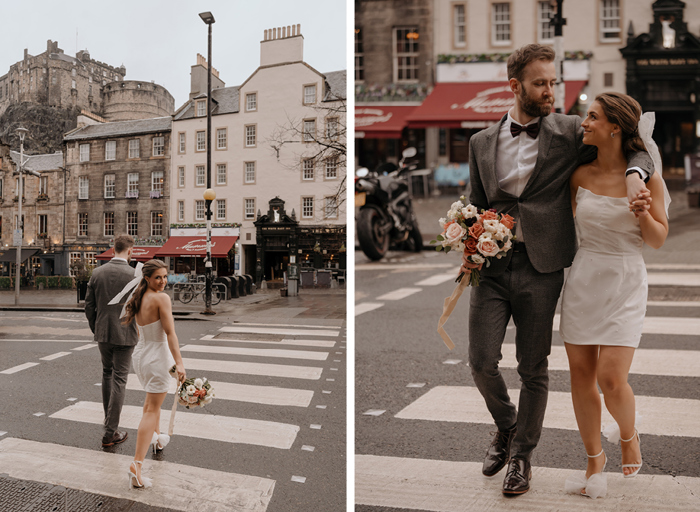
<point>605,294</point>
<point>152,359</point>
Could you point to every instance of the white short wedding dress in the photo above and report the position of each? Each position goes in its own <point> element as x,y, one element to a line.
<point>152,359</point>
<point>605,294</point>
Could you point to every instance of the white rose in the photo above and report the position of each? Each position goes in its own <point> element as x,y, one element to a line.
<point>491,225</point>
<point>207,400</point>
<point>442,222</point>
<point>470,211</point>
<point>454,233</point>
<point>198,383</point>
<point>460,247</point>
<point>210,392</point>
<point>487,246</point>
<point>477,259</point>
<point>457,205</point>
<point>190,389</point>
<point>452,214</point>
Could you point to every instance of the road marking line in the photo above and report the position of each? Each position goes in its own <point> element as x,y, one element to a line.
<point>315,427</point>
<point>201,426</point>
<point>672,266</point>
<point>299,479</point>
<point>267,395</point>
<point>374,412</point>
<point>399,294</point>
<point>646,361</point>
<point>2,433</point>
<point>48,331</point>
<point>365,307</point>
<point>55,356</point>
<point>266,369</point>
<point>465,404</point>
<point>261,352</point>
<point>286,325</point>
<point>673,278</point>
<point>37,414</point>
<point>94,471</point>
<point>437,279</point>
<point>452,361</point>
<point>661,325</point>
<point>286,332</point>
<point>85,347</point>
<point>395,266</point>
<point>18,368</point>
<point>674,303</point>
<point>416,385</point>
<point>47,340</point>
<point>300,343</point>
<point>445,486</point>
<point>305,447</point>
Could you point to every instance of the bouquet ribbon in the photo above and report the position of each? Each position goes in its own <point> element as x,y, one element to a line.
<point>447,309</point>
<point>171,426</point>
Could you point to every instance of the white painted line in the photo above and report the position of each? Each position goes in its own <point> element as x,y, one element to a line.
<point>416,385</point>
<point>662,325</point>
<point>336,360</point>
<point>465,405</point>
<point>672,266</point>
<point>46,340</point>
<point>258,352</point>
<point>2,433</point>
<point>320,407</point>
<point>437,279</point>
<point>18,368</point>
<point>338,352</point>
<point>452,361</point>
<point>399,294</point>
<point>445,486</point>
<point>94,471</point>
<point>57,319</point>
<point>315,427</point>
<point>673,278</point>
<point>330,380</point>
<point>85,347</point>
<point>305,447</point>
<point>334,369</point>
<point>395,266</point>
<point>366,307</point>
<point>374,412</point>
<point>267,395</point>
<point>98,384</point>
<point>275,330</point>
<point>37,414</point>
<point>326,392</point>
<point>71,399</point>
<point>202,426</point>
<point>285,325</point>
<point>646,361</point>
<point>269,370</point>
<point>301,343</point>
<point>299,479</point>
<point>55,356</point>
<point>674,303</point>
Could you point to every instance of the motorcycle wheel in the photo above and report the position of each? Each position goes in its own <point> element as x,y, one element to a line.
<point>416,238</point>
<point>372,242</point>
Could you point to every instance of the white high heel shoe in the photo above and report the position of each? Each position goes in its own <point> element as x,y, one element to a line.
<point>143,483</point>
<point>638,466</point>
<point>596,486</point>
<point>159,441</point>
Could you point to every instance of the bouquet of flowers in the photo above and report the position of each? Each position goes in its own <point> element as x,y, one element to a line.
<point>479,235</point>
<point>193,392</point>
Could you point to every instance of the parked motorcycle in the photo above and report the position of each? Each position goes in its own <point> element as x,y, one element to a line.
<point>386,217</point>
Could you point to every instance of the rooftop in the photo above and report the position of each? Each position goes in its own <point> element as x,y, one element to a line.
<point>138,126</point>
<point>40,163</point>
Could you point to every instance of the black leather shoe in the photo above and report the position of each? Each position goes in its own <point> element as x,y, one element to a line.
<point>498,453</point>
<point>518,477</point>
<point>116,438</point>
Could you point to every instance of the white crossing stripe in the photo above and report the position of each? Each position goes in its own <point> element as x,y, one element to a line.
<point>365,307</point>
<point>465,405</point>
<point>299,343</point>
<point>445,486</point>
<point>202,426</point>
<point>646,361</point>
<point>47,340</point>
<point>267,395</point>
<point>267,369</point>
<point>85,347</point>
<point>397,266</point>
<point>673,278</point>
<point>292,325</point>
<point>437,279</point>
<point>283,331</point>
<point>49,331</point>
<point>55,356</point>
<point>662,325</point>
<point>104,473</point>
<point>18,368</point>
<point>262,352</point>
<point>673,266</point>
<point>399,294</point>
<point>674,303</point>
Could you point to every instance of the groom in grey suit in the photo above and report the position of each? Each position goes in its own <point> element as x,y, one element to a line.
<point>521,166</point>
<point>115,340</point>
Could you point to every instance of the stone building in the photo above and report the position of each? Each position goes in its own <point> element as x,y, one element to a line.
<point>56,79</point>
<point>118,177</point>
<point>267,142</point>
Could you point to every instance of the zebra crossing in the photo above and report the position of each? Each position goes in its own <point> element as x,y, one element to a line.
<point>406,477</point>
<point>272,384</point>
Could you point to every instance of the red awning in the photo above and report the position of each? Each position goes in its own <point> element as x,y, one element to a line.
<point>138,254</point>
<point>381,122</point>
<point>197,246</point>
<point>473,104</point>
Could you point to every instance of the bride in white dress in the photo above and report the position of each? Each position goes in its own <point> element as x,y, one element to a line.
<point>604,298</point>
<point>154,355</point>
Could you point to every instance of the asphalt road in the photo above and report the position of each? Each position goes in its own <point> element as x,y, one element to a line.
<point>272,439</point>
<point>401,453</point>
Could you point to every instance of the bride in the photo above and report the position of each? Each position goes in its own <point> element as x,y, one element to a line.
<point>152,358</point>
<point>604,298</point>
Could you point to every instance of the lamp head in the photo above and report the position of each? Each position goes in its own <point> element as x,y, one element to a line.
<point>21,132</point>
<point>209,194</point>
<point>207,17</point>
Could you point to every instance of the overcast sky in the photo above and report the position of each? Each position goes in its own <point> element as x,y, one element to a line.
<point>158,40</point>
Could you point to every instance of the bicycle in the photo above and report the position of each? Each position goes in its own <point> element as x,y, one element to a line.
<point>189,291</point>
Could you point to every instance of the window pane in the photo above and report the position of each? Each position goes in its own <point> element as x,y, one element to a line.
<point>132,223</point>
<point>110,150</point>
<point>221,137</point>
<point>308,169</point>
<point>199,210</point>
<point>250,208</point>
<point>250,172</point>
<point>83,187</point>
<point>156,223</point>
<point>221,209</point>
<point>180,210</point>
<point>250,136</point>
<point>201,176</point>
<point>109,186</point>
<point>221,174</point>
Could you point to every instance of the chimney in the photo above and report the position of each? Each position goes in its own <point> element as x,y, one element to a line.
<point>281,45</point>
<point>198,77</point>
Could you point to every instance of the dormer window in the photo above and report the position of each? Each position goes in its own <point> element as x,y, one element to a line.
<point>201,108</point>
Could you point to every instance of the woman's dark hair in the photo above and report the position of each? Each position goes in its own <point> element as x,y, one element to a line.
<point>134,304</point>
<point>625,112</point>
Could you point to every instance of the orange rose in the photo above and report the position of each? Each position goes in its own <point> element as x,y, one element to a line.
<point>476,231</point>
<point>470,246</point>
<point>489,215</point>
<point>507,221</point>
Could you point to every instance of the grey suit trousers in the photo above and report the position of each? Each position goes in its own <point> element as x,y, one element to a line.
<point>530,297</point>
<point>116,360</point>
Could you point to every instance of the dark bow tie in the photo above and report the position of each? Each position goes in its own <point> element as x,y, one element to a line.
<point>532,129</point>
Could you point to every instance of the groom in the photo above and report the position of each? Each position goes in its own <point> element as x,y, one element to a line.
<point>521,166</point>
<point>115,340</point>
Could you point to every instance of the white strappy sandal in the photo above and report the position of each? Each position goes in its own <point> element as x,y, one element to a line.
<point>595,486</point>
<point>159,441</point>
<point>638,466</point>
<point>144,483</point>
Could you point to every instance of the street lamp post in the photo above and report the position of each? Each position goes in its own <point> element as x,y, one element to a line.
<point>558,21</point>
<point>209,195</point>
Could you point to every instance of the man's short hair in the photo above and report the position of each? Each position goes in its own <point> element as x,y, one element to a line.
<point>122,243</point>
<point>521,57</point>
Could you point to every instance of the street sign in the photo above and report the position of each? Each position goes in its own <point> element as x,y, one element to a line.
<point>17,239</point>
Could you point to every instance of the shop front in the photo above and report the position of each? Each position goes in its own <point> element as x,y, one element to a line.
<point>188,254</point>
<point>139,253</point>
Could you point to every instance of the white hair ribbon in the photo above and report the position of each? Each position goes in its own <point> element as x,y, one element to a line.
<point>646,128</point>
<point>130,287</point>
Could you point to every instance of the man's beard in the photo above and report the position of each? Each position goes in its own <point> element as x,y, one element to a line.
<point>534,108</point>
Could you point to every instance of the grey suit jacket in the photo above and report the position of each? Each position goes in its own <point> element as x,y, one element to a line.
<point>544,207</point>
<point>106,282</point>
